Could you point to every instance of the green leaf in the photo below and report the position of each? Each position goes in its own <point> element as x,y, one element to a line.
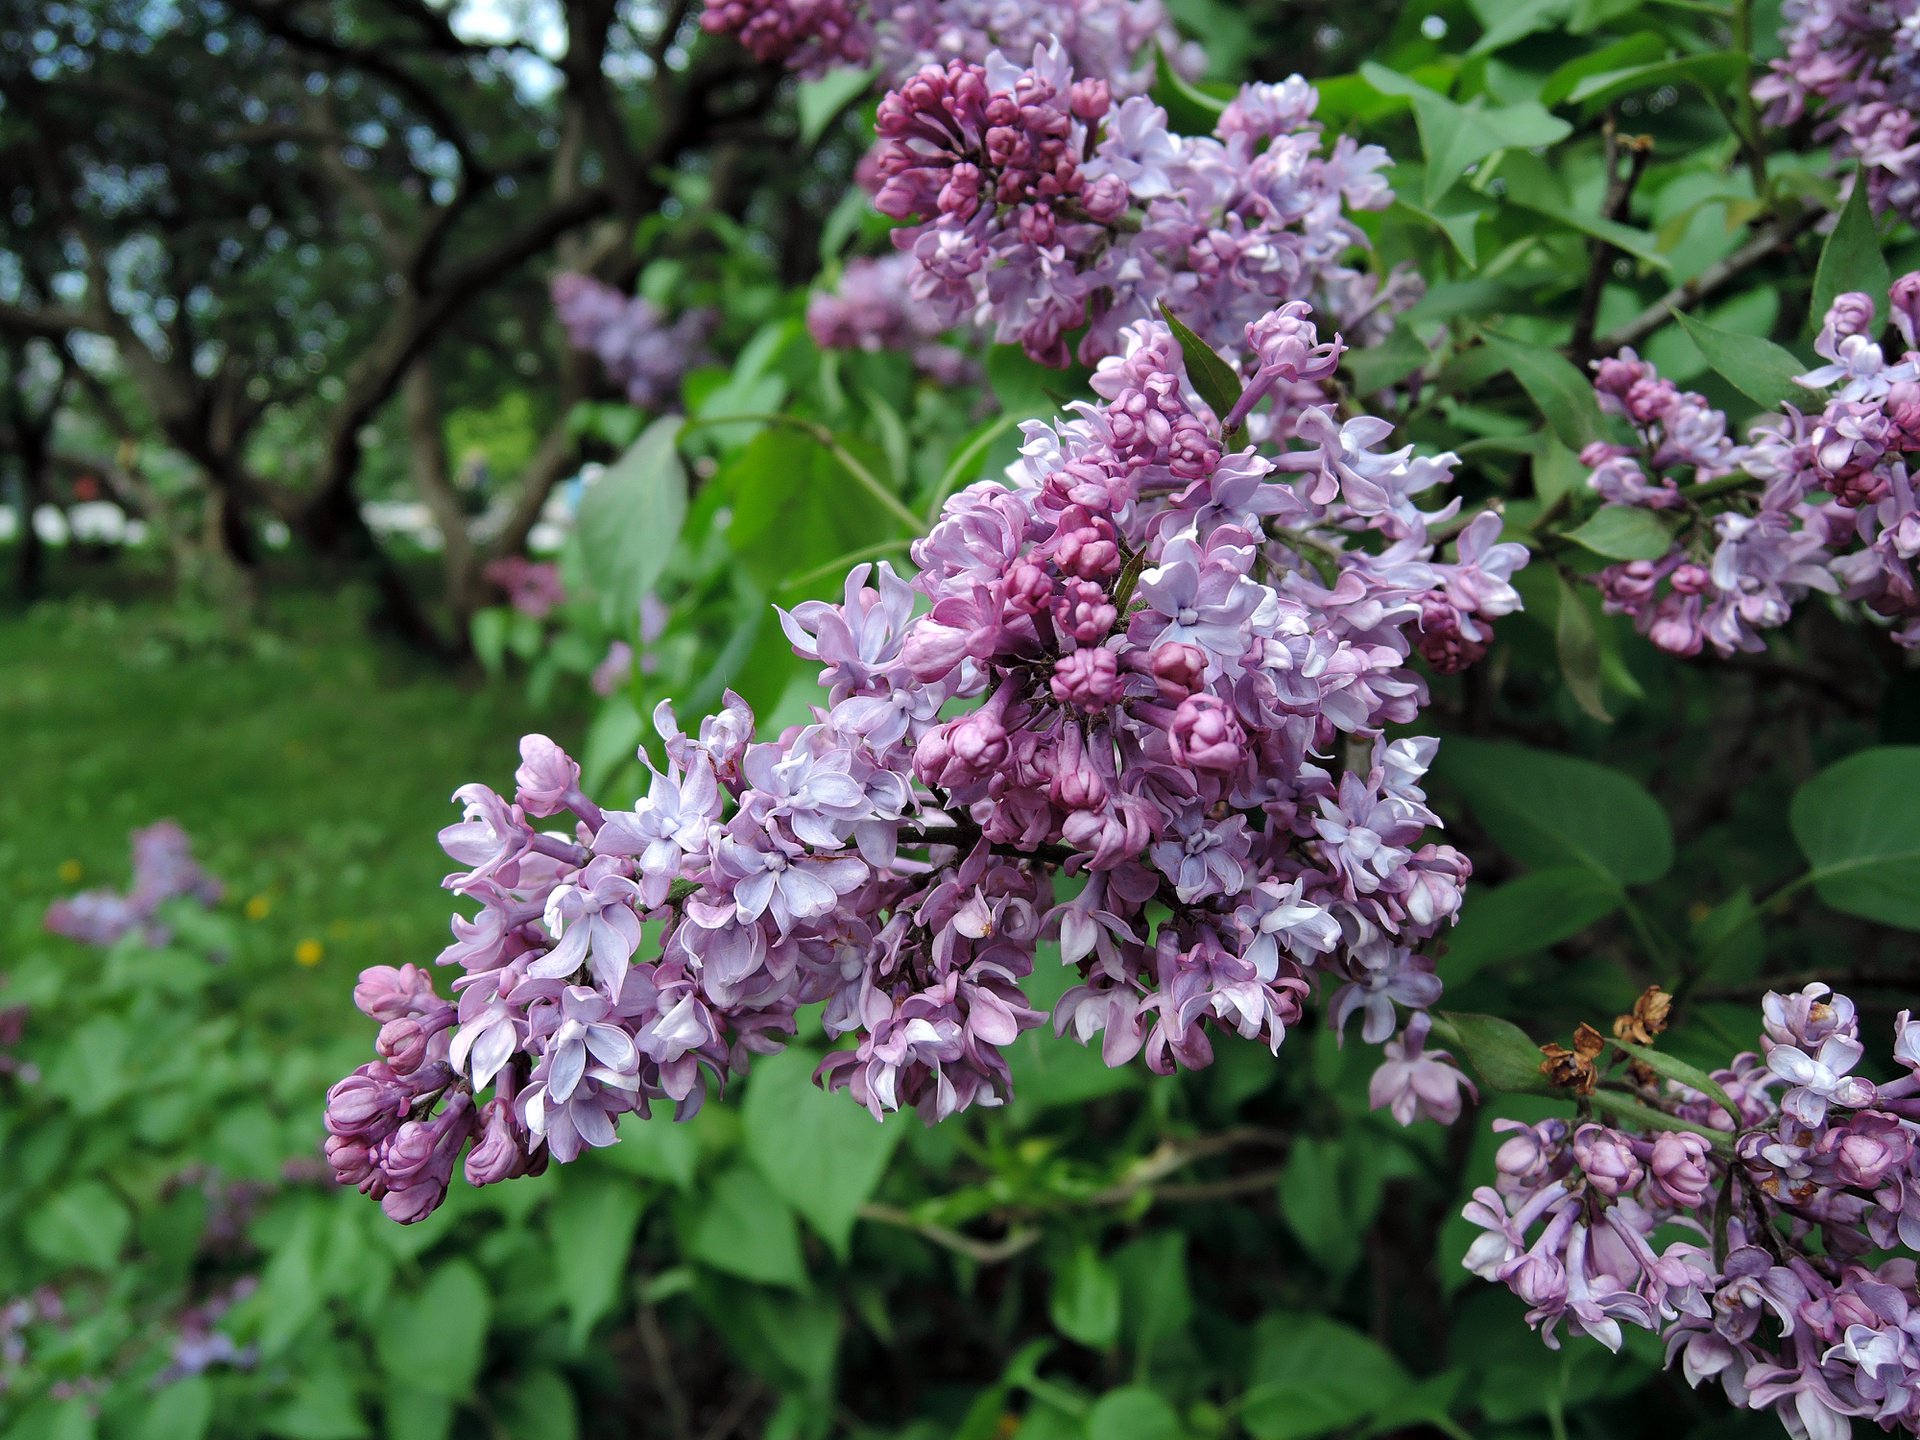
<point>1501,1054</point>
<point>181,1411</point>
<point>1312,1376</point>
<point>1190,110</point>
<point>821,1153</point>
<point>434,1341</point>
<point>1637,243</point>
<point>1710,72</point>
<point>1555,384</point>
<point>1133,1413</point>
<point>1085,1301</point>
<point>1859,827</point>
<point>324,1406</point>
<point>1578,645</point>
<point>1624,532</point>
<point>630,517</point>
<point>1546,809</point>
<point>821,101</point>
<point>742,1227</point>
<point>1641,48</point>
<point>1851,258</point>
<point>1456,216</point>
<point>1645,1117</point>
<point>489,638</point>
<point>1454,136</point>
<point>1509,20</point>
<point>86,1224</point>
<point>1759,369</point>
<point>1211,376</point>
<point>1525,916</point>
<point>540,1406</point>
<point>590,1227</point>
<point>1670,1067</point>
<point>1329,1198</point>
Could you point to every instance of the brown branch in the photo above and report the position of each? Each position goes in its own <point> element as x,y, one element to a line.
<point>1765,244</point>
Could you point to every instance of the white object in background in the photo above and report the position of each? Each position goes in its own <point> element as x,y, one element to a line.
<point>50,525</point>
<point>9,524</point>
<point>97,522</point>
<point>546,538</point>
<point>274,531</point>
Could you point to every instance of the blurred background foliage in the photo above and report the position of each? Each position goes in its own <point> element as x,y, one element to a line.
<point>269,265</point>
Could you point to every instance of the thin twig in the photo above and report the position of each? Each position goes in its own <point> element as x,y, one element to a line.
<point>1710,281</point>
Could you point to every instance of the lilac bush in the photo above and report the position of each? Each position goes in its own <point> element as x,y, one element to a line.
<point>1143,716</point>
<point>1820,501</point>
<point>1773,1244</point>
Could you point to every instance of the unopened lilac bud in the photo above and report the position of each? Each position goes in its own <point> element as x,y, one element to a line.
<point>386,993</point>
<point>1607,1158</point>
<point>1682,1174</point>
<point>547,777</point>
<point>368,1104</point>
<point>402,1044</point>
<point>1206,736</point>
<point>1870,1148</point>
<point>1089,679</point>
<point>1028,588</point>
<point>1905,298</point>
<point>932,651</point>
<point>1523,1155</point>
<point>1089,98</point>
<point>1106,199</point>
<point>1851,313</point>
<point>409,1151</point>
<point>351,1161</point>
<point>414,1203</point>
<point>1179,670</point>
<point>1691,579</point>
<point>961,750</point>
<point>497,1153</point>
<point>1085,612</point>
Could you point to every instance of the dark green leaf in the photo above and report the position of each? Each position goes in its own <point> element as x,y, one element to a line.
<point>1851,258</point>
<point>821,101</point>
<point>181,1411</point>
<point>1859,827</point>
<point>1711,73</point>
<point>1546,809</point>
<point>630,517</point>
<point>1133,1413</point>
<point>1644,1117</point>
<point>1312,1376</point>
<point>1637,243</point>
<point>1759,369</point>
<point>1211,376</point>
<point>1329,1197</point>
<point>1669,1067</point>
<point>1578,647</point>
<point>821,1153</point>
<point>1085,1301</point>
<point>1552,381</point>
<point>1624,532</point>
<point>1499,1051</point>
<point>539,1406</point>
<point>741,1227</point>
<point>1526,915</point>
<point>1454,136</point>
<point>1190,110</point>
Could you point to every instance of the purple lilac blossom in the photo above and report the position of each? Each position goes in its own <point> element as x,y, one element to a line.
<point>631,337</point>
<point>1830,508</point>
<point>163,870</point>
<point>1853,66</point>
<point>872,309</point>
<point>1784,1264</point>
<point>1129,676</point>
<point>1040,204</point>
<point>533,587</point>
<point>1116,39</point>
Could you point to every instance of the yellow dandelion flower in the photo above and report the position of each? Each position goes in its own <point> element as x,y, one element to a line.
<point>70,872</point>
<point>258,907</point>
<point>309,952</point>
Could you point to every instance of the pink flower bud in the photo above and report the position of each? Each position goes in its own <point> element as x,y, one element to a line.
<point>1089,679</point>
<point>1206,736</point>
<point>1607,1158</point>
<point>547,777</point>
<point>1682,1169</point>
<point>1179,670</point>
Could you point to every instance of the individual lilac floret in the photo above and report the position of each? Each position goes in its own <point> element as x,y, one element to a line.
<point>631,337</point>
<point>1827,507</point>
<point>163,870</point>
<point>872,309</point>
<point>1121,667</point>
<point>1769,1281</point>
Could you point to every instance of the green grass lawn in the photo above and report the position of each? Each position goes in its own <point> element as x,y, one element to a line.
<point>311,764</point>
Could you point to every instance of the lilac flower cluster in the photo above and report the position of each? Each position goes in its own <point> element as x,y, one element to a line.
<point>1777,1283</point>
<point>872,308</point>
<point>1041,205</point>
<point>1115,39</point>
<point>533,587</point>
<point>1122,724</point>
<point>1818,501</point>
<point>631,337</point>
<point>163,869</point>
<point>1854,65</point>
